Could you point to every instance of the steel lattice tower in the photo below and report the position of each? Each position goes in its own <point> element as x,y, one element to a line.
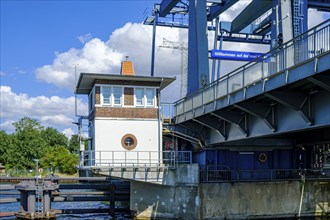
<point>183,47</point>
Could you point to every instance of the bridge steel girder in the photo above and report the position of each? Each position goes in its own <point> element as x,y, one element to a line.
<point>246,39</point>
<point>253,11</point>
<point>264,26</point>
<point>301,90</point>
<point>195,129</point>
<point>320,5</point>
<point>166,6</point>
<point>214,124</point>
<point>260,110</point>
<point>198,62</point>
<point>321,81</point>
<point>295,101</point>
<point>234,118</point>
<point>217,9</point>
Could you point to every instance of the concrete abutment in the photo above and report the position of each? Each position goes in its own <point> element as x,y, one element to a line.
<point>239,200</point>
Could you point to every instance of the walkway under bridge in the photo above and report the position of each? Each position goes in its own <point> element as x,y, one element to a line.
<point>285,91</point>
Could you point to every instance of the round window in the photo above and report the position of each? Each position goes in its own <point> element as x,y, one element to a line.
<point>129,142</point>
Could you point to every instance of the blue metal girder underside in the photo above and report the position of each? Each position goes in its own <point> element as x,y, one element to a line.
<point>291,101</point>
<point>166,6</point>
<point>216,9</point>
<point>321,5</point>
<point>246,39</point>
<point>253,11</point>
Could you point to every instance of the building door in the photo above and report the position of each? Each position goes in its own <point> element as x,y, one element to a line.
<point>245,165</point>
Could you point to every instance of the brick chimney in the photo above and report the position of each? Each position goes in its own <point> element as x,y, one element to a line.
<point>127,67</point>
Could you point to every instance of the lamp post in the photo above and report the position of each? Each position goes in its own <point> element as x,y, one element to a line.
<point>51,168</point>
<point>37,169</point>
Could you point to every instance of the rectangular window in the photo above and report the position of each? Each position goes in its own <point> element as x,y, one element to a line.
<point>91,101</point>
<point>117,94</point>
<point>106,95</point>
<point>139,95</point>
<point>150,97</point>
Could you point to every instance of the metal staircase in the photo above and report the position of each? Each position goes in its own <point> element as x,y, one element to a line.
<point>39,209</point>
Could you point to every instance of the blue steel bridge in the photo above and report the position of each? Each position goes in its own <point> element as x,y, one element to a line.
<point>286,90</point>
<point>267,120</point>
<point>270,115</point>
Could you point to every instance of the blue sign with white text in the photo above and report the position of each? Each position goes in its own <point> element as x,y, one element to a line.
<point>234,55</point>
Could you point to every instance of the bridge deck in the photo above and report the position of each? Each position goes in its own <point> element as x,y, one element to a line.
<point>286,90</point>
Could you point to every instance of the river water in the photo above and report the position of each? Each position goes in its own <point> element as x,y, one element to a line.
<point>14,207</point>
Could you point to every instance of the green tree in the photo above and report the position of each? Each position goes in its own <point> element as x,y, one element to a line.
<point>6,148</point>
<point>28,142</point>
<point>60,158</point>
<point>74,144</point>
<point>53,137</point>
<point>27,124</point>
<point>33,141</point>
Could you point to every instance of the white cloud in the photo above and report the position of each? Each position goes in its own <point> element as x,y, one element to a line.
<point>7,126</point>
<point>50,111</point>
<point>85,38</point>
<point>233,11</point>
<point>316,17</point>
<point>97,56</point>
<point>68,132</point>
<point>2,73</point>
<point>134,40</point>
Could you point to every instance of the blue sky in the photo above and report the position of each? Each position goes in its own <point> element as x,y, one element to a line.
<point>41,40</point>
<point>31,32</point>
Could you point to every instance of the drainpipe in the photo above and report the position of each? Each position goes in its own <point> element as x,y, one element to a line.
<point>160,133</point>
<point>301,194</point>
<point>187,138</point>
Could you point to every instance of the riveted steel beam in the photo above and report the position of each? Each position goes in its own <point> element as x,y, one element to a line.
<point>295,101</point>
<point>253,11</point>
<point>214,124</point>
<point>195,129</point>
<point>322,81</point>
<point>234,118</point>
<point>260,110</point>
<point>166,6</point>
<point>216,9</point>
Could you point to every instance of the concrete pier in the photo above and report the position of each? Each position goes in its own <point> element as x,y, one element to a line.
<point>178,199</point>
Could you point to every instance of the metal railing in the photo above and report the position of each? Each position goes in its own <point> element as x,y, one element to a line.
<point>212,175</point>
<point>308,45</point>
<point>167,112</point>
<point>136,159</point>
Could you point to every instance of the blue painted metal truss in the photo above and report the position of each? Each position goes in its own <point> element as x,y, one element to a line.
<point>175,13</point>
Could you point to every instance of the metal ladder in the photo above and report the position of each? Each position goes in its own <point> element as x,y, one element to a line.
<point>39,198</point>
<point>298,18</point>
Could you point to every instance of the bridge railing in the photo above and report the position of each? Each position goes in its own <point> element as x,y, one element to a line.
<point>166,111</point>
<point>136,159</point>
<point>308,45</point>
<point>210,174</point>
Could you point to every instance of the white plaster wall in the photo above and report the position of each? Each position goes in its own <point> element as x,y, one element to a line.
<point>108,135</point>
